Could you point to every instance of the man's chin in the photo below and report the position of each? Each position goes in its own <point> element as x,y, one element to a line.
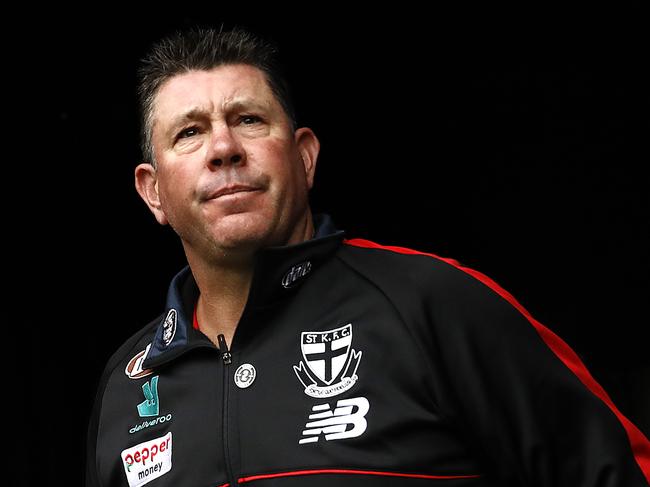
<point>243,232</point>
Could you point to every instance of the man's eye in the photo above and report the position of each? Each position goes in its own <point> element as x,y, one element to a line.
<point>188,132</point>
<point>250,119</point>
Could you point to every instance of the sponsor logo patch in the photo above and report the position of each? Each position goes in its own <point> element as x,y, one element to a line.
<point>152,422</point>
<point>150,406</point>
<point>134,369</point>
<point>245,375</point>
<point>147,461</point>
<point>348,420</point>
<point>169,327</point>
<point>296,272</point>
<point>329,365</point>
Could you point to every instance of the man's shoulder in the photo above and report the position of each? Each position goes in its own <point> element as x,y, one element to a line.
<point>408,276</point>
<point>399,261</point>
<point>402,270</point>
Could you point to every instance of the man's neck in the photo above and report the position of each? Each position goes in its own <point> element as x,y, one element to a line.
<point>225,285</point>
<point>224,293</point>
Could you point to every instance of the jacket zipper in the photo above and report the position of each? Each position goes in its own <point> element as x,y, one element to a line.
<point>226,357</point>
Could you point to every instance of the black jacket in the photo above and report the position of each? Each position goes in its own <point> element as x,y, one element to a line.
<point>355,364</point>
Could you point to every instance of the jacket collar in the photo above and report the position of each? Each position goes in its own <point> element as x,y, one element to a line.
<point>278,273</point>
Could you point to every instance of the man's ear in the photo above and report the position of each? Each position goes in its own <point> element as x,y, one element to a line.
<point>146,183</point>
<point>309,147</point>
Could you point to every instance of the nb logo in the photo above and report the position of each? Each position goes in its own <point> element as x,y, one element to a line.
<point>346,421</point>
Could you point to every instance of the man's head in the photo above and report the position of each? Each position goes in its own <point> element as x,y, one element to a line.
<point>202,50</point>
<point>225,165</point>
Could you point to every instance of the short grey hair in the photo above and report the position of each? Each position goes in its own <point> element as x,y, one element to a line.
<point>205,49</point>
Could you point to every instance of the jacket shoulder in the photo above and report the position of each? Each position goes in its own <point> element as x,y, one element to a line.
<point>433,290</point>
<point>413,268</point>
<point>138,341</point>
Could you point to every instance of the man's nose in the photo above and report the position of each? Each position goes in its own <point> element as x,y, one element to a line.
<point>226,149</point>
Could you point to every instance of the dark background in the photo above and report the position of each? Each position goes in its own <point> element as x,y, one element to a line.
<point>516,143</point>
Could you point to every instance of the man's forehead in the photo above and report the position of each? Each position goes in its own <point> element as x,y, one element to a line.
<point>220,88</point>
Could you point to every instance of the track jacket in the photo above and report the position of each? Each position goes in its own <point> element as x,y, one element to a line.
<point>354,365</point>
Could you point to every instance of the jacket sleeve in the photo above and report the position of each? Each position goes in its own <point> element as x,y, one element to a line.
<point>523,396</point>
<point>93,448</point>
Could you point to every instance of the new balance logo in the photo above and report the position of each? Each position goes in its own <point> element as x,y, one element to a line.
<point>348,420</point>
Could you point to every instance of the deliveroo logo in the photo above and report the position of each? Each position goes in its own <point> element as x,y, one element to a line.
<point>150,405</point>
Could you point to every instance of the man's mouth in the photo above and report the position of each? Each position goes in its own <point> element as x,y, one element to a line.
<point>232,189</point>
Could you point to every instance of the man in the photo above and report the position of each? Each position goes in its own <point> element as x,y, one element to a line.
<point>288,355</point>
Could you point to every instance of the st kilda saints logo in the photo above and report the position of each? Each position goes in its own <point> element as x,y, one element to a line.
<point>329,365</point>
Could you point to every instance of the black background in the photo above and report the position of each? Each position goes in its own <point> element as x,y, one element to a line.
<point>514,142</point>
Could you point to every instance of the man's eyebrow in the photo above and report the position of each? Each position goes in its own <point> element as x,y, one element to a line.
<point>195,113</point>
<point>199,113</point>
<point>245,104</point>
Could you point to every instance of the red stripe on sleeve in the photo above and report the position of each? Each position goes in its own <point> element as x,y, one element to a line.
<point>638,441</point>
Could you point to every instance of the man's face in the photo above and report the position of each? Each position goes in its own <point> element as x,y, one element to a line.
<point>231,173</point>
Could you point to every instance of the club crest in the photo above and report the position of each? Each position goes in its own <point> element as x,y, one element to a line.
<point>329,363</point>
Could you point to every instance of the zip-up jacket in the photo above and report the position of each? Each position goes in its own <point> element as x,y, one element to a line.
<point>356,364</point>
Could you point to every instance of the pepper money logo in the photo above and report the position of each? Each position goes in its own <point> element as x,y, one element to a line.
<point>147,461</point>
<point>329,365</point>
